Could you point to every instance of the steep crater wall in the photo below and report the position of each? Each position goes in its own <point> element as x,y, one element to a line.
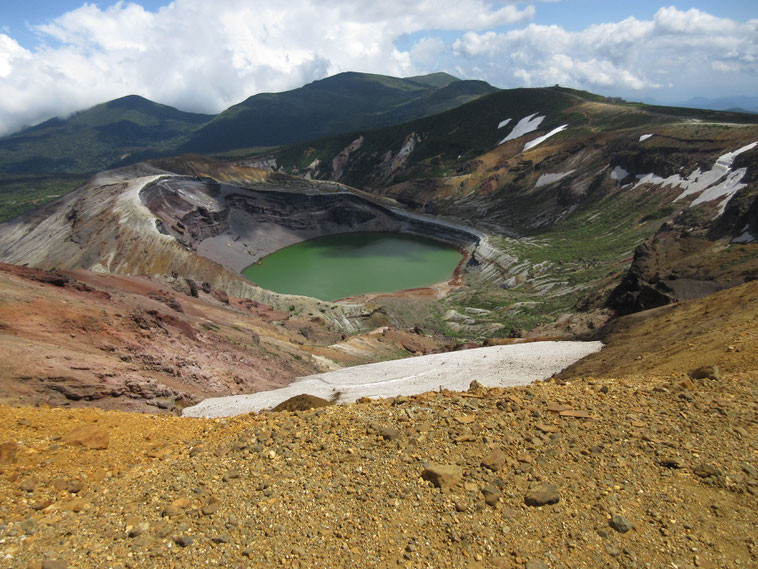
<point>236,226</point>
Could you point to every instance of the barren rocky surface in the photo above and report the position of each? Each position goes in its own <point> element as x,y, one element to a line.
<point>630,469</point>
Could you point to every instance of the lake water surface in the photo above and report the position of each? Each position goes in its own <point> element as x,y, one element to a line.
<point>348,264</point>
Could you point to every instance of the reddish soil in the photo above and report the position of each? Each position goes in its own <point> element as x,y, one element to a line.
<point>119,342</point>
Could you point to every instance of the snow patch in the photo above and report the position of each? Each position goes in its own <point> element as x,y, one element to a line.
<point>726,189</point>
<point>619,173</point>
<point>746,237</point>
<point>496,366</point>
<point>546,179</point>
<point>543,138</point>
<point>644,137</point>
<point>524,126</point>
<point>718,182</point>
<point>501,124</point>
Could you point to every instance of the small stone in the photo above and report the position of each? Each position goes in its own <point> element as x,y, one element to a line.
<point>231,475</point>
<point>464,419</point>
<point>670,462</point>
<point>138,530</point>
<point>443,476</point>
<point>495,460</point>
<point>475,387</point>
<point>536,564</point>
<point>388,433</point>
<point>705,372</point>
<point>8,452</point>
<point>525,458</point>
<point>210,509</point>
<point>161,530</point>
<point>491,494</point>
<point>184,540</point>
<point>302,402</point>
<point>620,523</point>
<point>27,485</point>
<point>41,505</point>
<point>29,525</point>
<point>76,505</point>
<point>54,564</point>
<point>612,550</point>
<point>575,413</point>
<point>89,436</point>
<point>542,494</point>
<point>175,507</point>
<point>742,432</point>
<point>704,470</point>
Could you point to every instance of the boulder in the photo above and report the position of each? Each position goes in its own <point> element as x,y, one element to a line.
<point>89,436</point>
<point>443,476</point>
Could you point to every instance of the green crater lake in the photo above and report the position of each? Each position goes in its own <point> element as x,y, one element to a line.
<point>348,264</point>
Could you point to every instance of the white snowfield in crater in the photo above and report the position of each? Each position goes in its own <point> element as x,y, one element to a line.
<point>502,123</point>
<point>644,137</point>
<point>497,366</point>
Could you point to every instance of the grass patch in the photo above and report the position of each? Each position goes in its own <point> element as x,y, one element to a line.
<point>22,193</point>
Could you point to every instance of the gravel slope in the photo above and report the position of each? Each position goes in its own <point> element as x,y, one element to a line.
<point>497,366</point>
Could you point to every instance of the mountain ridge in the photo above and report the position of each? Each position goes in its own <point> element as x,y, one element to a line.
<point>133,128</point>
<point>124,130</point>
<point>338,103</point>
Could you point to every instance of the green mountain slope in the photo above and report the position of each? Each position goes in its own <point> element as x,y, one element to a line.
<point>447,143</point>
<point>342,103</point>
<point>119,132</point>
<point>606,177</point>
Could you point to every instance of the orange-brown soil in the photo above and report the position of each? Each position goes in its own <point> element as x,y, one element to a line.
<point>633,460</point>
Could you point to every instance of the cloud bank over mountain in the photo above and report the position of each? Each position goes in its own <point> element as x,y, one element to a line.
<point>204,56</point>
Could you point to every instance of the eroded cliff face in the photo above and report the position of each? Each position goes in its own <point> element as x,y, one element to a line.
<point>235,226</point>
<point>105,227</point>
<point>144,220</point>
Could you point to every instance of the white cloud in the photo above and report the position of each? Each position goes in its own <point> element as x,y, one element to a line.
<point>10,51</point>
<point>674,48</point>
<point>426,51</point>
<point>204,56</point>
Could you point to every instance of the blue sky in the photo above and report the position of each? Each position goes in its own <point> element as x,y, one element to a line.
<point>573,15</point>
<point>60,56</point>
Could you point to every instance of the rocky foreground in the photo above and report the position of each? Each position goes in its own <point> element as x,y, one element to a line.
<point>635,470</point>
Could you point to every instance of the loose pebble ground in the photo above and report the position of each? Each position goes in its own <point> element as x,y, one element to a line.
<point>619,472</point>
